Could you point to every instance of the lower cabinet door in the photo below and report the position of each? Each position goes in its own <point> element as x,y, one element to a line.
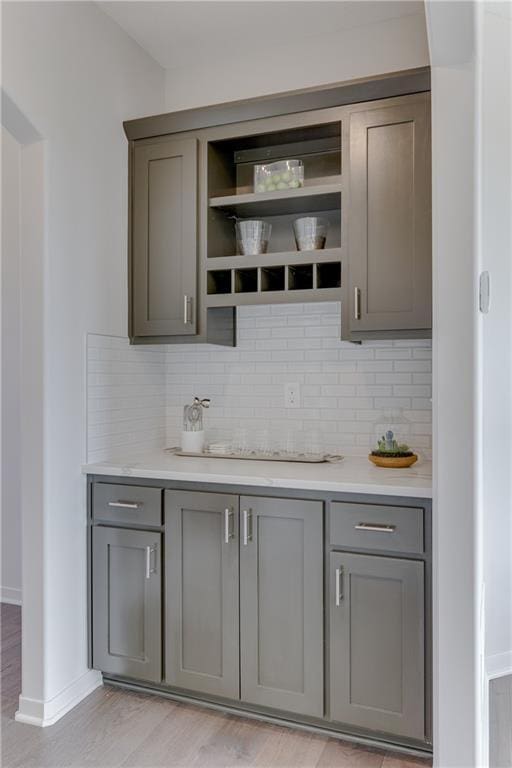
<point>201,566</point>
<point>377,677</point>
<point>281,604</point>
<point>126,595</point>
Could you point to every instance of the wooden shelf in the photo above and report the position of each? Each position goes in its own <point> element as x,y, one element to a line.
<point>322,197</point>
<point>273,297</point>
<point>275,259</point>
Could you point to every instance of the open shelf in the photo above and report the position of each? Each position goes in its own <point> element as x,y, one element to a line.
<point>308,199</point>
<point>273,297</point>
<point>283,274</point>
<point>222,240</point>
<point>231,161</point>
<point>275,259</point>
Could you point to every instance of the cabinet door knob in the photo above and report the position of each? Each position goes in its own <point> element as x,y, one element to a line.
<point>339,586</point>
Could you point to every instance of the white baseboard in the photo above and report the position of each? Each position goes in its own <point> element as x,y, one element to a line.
<point>44,713</point>
<point>10,595</point>
<point>499,665</point>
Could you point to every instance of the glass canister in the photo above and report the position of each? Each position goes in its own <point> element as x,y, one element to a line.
<point>392,432</point>
<point>283,174</point>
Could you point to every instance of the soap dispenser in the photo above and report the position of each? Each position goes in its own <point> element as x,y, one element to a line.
<point>192,436</point>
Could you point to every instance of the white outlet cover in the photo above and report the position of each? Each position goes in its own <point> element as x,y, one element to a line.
<point>292,395</point>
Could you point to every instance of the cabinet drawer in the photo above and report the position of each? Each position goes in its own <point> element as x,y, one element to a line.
<point>127,504</point>
<point>376,526</point>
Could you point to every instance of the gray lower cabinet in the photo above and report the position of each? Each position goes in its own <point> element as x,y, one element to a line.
<point>126,594</point>
<point>201,608</point>
<point>281,604</point>
<point>389,232</point>
<point>377,661</point>
<point>244,608</point>
<point>163,252</point>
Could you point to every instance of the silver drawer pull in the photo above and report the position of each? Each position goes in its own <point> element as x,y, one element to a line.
<point>376,527</point>
<point>125,504</point>
<point>339,586</point>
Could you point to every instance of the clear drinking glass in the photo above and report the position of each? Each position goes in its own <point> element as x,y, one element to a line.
<point>252,237</point>
<point>310,233</point>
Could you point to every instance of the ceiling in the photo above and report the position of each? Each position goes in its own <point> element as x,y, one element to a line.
<point>173,33</point>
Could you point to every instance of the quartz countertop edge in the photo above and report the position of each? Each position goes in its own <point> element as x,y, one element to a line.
<point>354,474</point>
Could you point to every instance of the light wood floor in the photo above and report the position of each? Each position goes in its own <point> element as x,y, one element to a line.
<point>114,728</point>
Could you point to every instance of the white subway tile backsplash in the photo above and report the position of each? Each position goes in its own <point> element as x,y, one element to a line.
<point>136,395</point>
<point>126,391</point>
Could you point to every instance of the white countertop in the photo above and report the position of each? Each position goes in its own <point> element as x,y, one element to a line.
<point>355,474</point>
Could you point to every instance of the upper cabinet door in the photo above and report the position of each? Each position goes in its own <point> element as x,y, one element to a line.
<point>389,227</point>
<point>164,239</point>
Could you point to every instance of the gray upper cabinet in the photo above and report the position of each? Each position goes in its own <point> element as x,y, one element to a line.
<point>163,268</point>
<point>366,172</point>
<point>202,626</point>
<point>281,604</point>
<point>388,292</point>
<point>126,593</point>
<point>377,670</point>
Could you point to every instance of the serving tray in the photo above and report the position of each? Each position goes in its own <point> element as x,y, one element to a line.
<point>305,458</point>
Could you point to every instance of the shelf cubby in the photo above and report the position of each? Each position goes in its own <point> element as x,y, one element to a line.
<point>219,281</point>
<point>246,280</point>
<point>300,277</point>
<point>328,275</point>
<point>273,279</point>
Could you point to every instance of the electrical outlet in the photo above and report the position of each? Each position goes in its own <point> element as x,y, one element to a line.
<point>291,395</point>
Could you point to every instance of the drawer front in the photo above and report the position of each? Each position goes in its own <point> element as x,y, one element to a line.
<point>377,526</point>
<point>128,504</point>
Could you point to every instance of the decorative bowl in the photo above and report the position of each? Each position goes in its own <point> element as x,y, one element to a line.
<point>393,462</point>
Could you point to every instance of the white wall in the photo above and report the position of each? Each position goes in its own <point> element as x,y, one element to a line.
<point>76,76</point>
<point>470,49</point>
<point>10,583</point>
<point>495,64</point>
<point>455,435</point>
<point>322,57</point>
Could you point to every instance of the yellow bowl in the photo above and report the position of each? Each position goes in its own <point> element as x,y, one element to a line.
<point>393,462</point>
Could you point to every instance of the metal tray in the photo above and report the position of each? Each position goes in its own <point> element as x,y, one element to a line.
<point>305,458</point>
